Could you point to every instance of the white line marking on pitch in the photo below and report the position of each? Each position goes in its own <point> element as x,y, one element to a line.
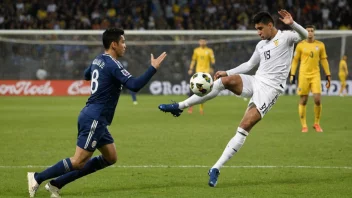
<point>194,166</point>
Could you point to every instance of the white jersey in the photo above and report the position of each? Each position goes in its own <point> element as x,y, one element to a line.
<point>274,57</point>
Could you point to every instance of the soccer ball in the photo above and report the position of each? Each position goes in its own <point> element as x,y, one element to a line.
<point>201,83</point>
<point>41,74</point>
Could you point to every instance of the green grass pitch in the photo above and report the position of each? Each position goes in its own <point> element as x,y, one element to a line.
<point>163,156</point>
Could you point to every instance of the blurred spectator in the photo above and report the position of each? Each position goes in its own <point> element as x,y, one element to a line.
<point>167,14</point>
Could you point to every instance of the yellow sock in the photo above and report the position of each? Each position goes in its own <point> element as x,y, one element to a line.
<point>302,114</point>
<point>201,107</point>
<point>317,113</point>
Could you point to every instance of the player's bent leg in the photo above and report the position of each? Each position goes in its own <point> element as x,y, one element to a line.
<point>60,168</point>
<point>317,112</point>
<point>107,147</point>
<point>251,117</point>
<point>302,109</point>
<point>107,158</point>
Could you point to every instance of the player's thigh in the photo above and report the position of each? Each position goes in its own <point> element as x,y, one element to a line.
<point>264,97</point>
<point>240,85</point>
<point>342,79</point>
<point>90,133</point>
<point>303,86</point>
<point>250,118</point>
<point>316,85</point>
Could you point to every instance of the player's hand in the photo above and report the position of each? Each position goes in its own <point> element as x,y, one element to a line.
<point>190,71</point>
<point>292,79</point>
<point>219,74</point>
<point>156,62</point>
<point>286,17</point>
<point>328,81</point>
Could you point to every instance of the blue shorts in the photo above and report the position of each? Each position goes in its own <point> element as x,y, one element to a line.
<point>92,134</point>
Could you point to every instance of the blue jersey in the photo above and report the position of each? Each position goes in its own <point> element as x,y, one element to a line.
<point>107,76</point>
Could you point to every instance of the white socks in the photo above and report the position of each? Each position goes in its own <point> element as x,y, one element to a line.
<point>232,147</point>
<point>193,100</point>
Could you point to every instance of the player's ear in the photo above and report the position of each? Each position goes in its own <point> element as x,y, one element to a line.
<point>113,45</point>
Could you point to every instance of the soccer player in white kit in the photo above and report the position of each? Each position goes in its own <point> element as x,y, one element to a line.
<point>273,54</point>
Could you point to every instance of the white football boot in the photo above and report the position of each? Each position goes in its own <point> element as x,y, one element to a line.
<point>53,190</point>
<point>32,184</point>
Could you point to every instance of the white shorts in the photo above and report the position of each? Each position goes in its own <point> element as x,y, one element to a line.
<point>262,95</point>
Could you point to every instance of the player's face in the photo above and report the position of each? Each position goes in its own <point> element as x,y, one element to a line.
<point>310,33</point>
<point>202,43</point>
<point>120,47</point>
<point>264,31</point>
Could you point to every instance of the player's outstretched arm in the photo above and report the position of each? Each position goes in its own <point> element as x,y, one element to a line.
<point>135,84</point>
<point>247,66</point>
<point>287,19</point>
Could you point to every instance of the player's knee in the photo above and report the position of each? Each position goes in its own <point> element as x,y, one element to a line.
<point>303,100</point>
<point>78,164</point>
<point>246,125</point>
<point>317,102</point>
<point>229,81</point>
<point>233,83</point>
<point>111,159</point>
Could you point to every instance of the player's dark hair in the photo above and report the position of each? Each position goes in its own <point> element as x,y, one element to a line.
<point>310,26</point>
<point>110,35</point>
<point>263,17</point>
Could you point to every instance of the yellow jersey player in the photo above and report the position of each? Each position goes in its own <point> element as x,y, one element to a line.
<point>308,53</point>
<point>204,56</point>
<point>343,73</point>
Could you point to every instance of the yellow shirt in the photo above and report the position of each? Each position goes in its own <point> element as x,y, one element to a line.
<point>309,55</point>
<point>343,68</point>
<point>203,56</point>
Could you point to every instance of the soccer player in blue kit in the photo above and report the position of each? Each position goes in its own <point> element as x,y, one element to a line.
<point>107,76</point>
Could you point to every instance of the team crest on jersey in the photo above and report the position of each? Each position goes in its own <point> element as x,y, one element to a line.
<point>316,48</point>
<point>276,42</point>
<point>94,143</point>
<point>125,72</point>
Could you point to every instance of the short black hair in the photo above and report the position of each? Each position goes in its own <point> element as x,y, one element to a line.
<point>310,26</point>
<point>110,35</point>
<point>263,17</point>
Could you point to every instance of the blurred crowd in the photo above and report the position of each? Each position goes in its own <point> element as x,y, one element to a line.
<point>167,14</point>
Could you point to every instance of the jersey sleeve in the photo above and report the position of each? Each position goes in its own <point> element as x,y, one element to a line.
<point>247,66</point>
<point>298,33</point>
<point>119,72</point>
<point>293,36</point>
<point>296,58</point>
<point>212,57</point>
<point>323,54</point>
